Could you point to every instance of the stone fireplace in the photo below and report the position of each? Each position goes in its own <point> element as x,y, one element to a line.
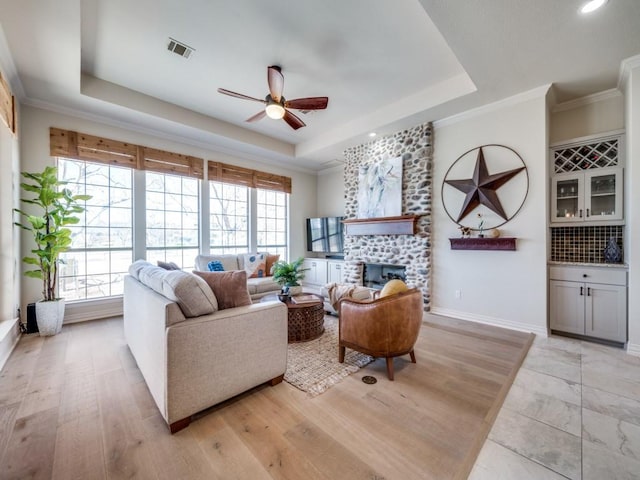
<point>411,252</point>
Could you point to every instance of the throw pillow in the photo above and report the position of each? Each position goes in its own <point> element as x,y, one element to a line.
<point>229,288</point>
<point>271,259</point>
<point>215,266</point>
<point>393,287</point>
<point>255,265</point>
<point>168,265</point>
<point>136,267</point>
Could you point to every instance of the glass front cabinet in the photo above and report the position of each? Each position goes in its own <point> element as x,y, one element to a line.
<point>587,185</point>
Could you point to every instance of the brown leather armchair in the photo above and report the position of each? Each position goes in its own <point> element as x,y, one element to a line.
<point>385,327</point>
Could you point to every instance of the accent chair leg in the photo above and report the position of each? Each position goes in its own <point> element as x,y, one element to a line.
<point>179,425</point>
<point>413,356</point>
<point>275,381</point>
<point>341,351</point>
<point>390,368</point>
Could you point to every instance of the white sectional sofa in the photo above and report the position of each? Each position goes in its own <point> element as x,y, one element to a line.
<point>193,356</point>
<point>258,287</point>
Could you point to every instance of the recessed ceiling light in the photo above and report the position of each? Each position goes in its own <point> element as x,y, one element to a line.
<point>592,6</point>
<point>373,134</point>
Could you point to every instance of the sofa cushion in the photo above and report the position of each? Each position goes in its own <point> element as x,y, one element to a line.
<point>271,259</point>
<point>215,266</point>
<point>229,288</point>
<point>191,293</point>
<point>228,261</point>
<point>262,285</point>
<point>255,265</point>
<point>168,265</point>
<point>135,267</point>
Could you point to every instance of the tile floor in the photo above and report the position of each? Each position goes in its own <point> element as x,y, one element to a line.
<point>573,412</point>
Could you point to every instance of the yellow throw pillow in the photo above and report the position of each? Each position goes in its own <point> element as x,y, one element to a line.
<point>392,287</point>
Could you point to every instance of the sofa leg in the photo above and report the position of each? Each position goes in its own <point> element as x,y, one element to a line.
<point>275,381</point>
<point>179,425</point>
<point>413,356</point>
<point>341,351</point>
<point>390,368</point>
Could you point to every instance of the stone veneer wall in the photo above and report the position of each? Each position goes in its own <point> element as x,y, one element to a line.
<point>415,145</point>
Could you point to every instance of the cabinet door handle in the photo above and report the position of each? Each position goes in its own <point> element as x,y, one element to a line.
<point>587,212</point>
<point>588,291</point>
<point>580,213</point>
<point>581,291</point>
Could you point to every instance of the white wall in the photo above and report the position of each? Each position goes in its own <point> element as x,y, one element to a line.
<point>330,194</point>
<point>632,207</point>
<point>35,156</point>
<point>498,287</point>
<point>592,115</point>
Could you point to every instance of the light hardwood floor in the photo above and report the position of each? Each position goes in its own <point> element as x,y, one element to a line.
<point>75,406</point>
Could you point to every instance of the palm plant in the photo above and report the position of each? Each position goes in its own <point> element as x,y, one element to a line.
<point>58,208</point>
<point>288,274</point>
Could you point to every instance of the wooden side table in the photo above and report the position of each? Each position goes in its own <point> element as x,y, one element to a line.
<point>305,320</point>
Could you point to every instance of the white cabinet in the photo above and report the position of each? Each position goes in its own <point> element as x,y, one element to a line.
<point>589,196</point>
<point>317,273</point>
<point>322,271</point>
<point>334,271</point>
<point>587,181</point>
<point>589,301</point>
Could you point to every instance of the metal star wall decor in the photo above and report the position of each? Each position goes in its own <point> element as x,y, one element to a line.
<point>481,188</point>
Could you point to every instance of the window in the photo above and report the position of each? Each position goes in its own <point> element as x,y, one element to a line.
<point>101,249</point>
<point>172,219</point>
<point>272,222</point>
<point>229,218</point>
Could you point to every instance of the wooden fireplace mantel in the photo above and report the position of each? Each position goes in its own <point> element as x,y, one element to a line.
<point>402,225</point>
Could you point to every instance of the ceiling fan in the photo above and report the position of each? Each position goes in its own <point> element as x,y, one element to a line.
<point>276,106</point>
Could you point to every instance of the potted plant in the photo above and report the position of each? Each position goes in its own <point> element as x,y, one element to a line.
<point>289,274</point>
<point>56,208</point>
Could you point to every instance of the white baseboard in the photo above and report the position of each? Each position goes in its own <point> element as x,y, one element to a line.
<point>9,336</point>
<point>486,320</point>
<point>633,349</point>
<point>86,310</point>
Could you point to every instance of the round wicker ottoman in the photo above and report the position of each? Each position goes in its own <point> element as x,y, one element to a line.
<point>306,320</point>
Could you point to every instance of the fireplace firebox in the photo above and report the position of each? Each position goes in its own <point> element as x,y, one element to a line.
<point>375,275</point>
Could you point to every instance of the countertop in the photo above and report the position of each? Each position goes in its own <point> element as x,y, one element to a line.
<point>624,266</point>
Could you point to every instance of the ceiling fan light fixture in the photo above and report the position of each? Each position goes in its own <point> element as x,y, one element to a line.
<point>274,110</point>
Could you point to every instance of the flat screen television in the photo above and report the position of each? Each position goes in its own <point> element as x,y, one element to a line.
<point>324,234</point>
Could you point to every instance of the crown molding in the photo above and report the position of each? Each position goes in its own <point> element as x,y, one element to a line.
<point>332,170</point>
<point>626,66</point>
<point>587,100</point>
<point>9,68</point>
<point>134,127</point>
<point>538,92</point>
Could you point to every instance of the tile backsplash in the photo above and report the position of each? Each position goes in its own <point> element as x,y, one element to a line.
<point>583,244</point>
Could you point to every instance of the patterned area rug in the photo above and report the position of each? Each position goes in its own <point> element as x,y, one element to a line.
<point>313,366</point>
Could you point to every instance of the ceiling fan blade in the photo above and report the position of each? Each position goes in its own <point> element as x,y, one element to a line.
<point>258,116</point>
<point>276,82</point>
<point>309,103</point>
<point>293,121</point>
<point>239,95</point>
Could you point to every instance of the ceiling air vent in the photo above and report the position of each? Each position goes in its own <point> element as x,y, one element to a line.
<point>179,48</point>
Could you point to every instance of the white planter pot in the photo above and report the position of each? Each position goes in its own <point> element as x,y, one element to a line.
<point>49,316</point>
<point>295,290</point>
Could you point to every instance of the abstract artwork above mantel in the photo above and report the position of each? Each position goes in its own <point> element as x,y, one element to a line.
<point>491,180</point>
<point>380,189</point>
